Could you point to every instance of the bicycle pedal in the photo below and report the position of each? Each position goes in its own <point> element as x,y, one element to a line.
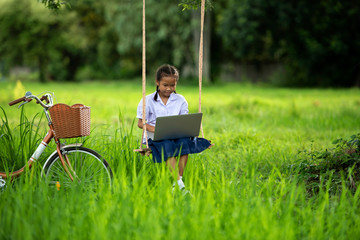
<point>2,183</point>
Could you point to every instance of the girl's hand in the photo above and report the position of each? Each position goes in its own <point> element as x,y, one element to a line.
<point>148,127</point>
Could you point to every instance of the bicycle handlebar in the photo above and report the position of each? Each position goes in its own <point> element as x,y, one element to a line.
<point>45,97</point>
<point>29,97</point>
<point>17,101</point>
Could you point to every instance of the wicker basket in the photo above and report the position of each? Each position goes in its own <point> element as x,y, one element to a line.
<point>70,122</point>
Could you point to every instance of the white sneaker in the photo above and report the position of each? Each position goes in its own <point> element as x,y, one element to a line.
<point>181,184</point>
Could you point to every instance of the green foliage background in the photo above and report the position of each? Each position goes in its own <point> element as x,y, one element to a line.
<point>316,43</point>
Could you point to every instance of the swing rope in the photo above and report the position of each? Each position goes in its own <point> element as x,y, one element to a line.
<point>201,58</point>
<point>144,133</point>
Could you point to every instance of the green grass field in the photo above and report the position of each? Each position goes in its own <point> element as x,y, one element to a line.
<point>243,188</point>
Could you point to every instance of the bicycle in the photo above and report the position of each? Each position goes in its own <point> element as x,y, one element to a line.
<point>68,164</point>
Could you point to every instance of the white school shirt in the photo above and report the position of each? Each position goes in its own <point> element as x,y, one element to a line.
<point>176,105</point>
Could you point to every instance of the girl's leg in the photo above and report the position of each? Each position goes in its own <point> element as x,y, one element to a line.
<point>171,163</point>
<point>182,164</point>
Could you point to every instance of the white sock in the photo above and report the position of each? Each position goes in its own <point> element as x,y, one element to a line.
<point>181,184</point>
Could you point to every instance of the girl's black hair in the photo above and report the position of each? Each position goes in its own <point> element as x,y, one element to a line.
<point>165,70</point>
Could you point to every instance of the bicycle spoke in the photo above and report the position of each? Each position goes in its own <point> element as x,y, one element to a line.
<point>87,168</point>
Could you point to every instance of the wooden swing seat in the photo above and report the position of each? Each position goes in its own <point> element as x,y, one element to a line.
<point>143,151</point>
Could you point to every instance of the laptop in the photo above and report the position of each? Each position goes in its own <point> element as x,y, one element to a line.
<point>177,126</point>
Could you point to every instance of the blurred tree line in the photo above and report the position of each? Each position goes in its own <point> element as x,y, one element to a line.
<point>316,42</point>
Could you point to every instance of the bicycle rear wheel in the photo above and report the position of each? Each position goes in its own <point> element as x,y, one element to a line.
<point>88,168</point>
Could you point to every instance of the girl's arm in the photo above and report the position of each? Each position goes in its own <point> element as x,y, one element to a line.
<point>148,127</point>
<point>184,108</point>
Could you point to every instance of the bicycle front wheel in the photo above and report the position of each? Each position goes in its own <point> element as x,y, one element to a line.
<point>86,167</point>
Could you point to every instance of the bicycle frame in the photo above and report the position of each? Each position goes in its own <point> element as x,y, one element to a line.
<point>40,149</point>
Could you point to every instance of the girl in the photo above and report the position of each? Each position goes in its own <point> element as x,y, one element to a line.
<point>165,102</point>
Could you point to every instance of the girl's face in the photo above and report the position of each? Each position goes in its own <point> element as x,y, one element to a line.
<point>167,85</point>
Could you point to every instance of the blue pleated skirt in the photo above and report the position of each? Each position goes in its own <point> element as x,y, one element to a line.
<point>162,150</point>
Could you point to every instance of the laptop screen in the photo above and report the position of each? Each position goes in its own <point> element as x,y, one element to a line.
<point>177,126</point>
